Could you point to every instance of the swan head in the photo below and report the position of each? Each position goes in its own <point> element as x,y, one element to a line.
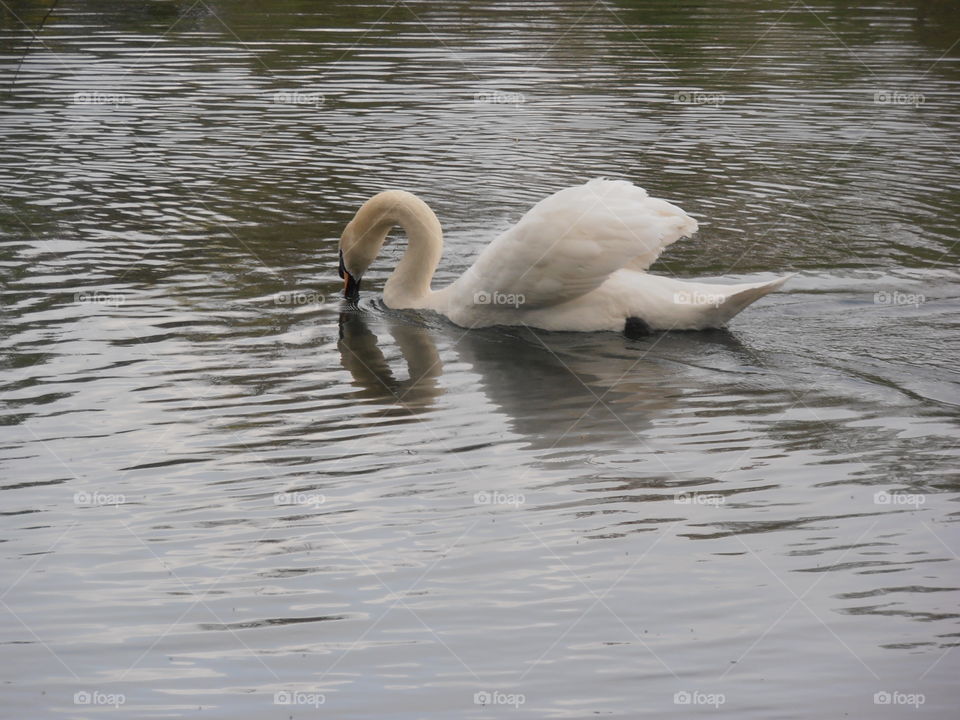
<point>358,250</point>
<point>351,284</point>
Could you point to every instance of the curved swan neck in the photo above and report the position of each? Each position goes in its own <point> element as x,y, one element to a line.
<point>409,284</point>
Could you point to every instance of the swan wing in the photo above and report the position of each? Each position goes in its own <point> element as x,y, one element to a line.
<point>569,243</point>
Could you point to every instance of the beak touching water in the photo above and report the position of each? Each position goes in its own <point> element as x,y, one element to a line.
<point>351,286</point>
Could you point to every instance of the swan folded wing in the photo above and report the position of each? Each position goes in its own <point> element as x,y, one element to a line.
<point>569,243</point>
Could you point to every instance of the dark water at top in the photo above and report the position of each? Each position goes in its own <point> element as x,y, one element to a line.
<point>220,485</point>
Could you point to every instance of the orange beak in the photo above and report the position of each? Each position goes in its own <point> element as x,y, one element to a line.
<point>351,287</point>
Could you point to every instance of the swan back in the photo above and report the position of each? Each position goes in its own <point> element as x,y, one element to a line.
<point>569,243</point>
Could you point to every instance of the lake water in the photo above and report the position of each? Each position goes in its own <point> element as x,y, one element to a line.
<point>226,494</point>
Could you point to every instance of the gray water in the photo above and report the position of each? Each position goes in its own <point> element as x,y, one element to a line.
<point>224,489</point>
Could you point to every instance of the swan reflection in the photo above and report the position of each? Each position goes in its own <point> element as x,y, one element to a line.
<point>555,389</point>
<point>361,356</point>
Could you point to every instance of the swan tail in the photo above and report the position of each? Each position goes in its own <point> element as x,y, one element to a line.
<point>731,300</point>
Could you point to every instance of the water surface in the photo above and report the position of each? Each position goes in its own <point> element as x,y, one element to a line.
<point>221,484</point>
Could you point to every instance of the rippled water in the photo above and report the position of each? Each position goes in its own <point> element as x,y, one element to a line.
<point>219,483</point>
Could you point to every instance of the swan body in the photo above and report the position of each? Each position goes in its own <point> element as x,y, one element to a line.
<point>576,261</point>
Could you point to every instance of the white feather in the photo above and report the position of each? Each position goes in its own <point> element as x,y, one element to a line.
<point>570,243</point>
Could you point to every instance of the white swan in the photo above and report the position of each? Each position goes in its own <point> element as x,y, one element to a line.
<point>575,261</point>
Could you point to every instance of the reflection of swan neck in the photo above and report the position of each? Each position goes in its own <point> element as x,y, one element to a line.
<point>409,285</point>
<point>361,355</point>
